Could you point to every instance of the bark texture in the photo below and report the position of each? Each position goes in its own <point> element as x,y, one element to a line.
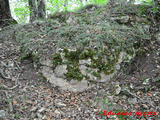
<point>5,14</point>
<point>37,10</point>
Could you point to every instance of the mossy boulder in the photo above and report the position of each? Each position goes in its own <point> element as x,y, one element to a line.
<point>88,64</point>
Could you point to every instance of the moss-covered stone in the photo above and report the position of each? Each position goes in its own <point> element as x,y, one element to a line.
<point>57,60</point>
<point>98,61</point>
<point>96,74</point>
<point>87,54</point>
<point>74,73</point>
<point>72,55</point>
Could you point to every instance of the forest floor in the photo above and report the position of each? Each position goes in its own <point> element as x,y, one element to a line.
<point>25,95</point>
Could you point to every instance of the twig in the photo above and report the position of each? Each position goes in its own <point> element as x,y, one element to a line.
<point>16,64</point>
<point>3,76</point>
<point>140,98</point>
<point>16,84</point>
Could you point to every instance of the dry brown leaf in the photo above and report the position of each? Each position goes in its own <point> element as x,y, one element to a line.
<point>149,94</point>
<point>14,102</point>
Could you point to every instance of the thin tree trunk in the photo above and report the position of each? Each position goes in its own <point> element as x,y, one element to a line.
<point>33,10</point>
<point>37,10</point>
<point>41,9</point>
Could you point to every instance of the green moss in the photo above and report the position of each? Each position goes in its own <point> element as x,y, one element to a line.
<point>74,73</point>
<point>72,55</point>
<point>56,60</point>
<point>96,74</point>
<point>87,54</point>
<point>25,56</point>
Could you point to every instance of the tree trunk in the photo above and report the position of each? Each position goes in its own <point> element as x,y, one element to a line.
<point>37,10</point>
<point>41,9</point>
<point>5,14</point>
<point>33,10</point>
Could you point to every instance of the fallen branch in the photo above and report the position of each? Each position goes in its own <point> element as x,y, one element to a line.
<point>144,101</point>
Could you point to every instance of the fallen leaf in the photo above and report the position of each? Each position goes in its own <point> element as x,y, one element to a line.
<point>149,94</point>
<point>14,102</point>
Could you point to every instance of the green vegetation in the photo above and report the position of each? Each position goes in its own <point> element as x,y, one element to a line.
<point>73,57</point>
<point>87,54</point>
<point>74,73</point>
<point>21,8</point>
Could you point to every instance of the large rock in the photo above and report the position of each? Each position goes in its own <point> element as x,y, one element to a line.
<point>57,76</point>
<point>73,85</point>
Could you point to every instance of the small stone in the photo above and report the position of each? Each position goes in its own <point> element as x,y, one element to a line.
<point>124,97</point>
<point>145,106</point>
<point>79,109</point>
<point>132,100</point>
<point>39,115</point>
<point>10,63</point>
<point>57,112</point>
<point>59,104</point>
<point>46,63</point>
<point>44,117</point>
<point>41,110</point>
<point>117,89</point>
<point>34,108</point>
<point>2,114</point>
<point>131,86</point>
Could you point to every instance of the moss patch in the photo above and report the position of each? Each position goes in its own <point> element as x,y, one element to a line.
<point>57,60</point>
<point>87,54</point>
<point>74,73</point>
<point>96,74</point>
